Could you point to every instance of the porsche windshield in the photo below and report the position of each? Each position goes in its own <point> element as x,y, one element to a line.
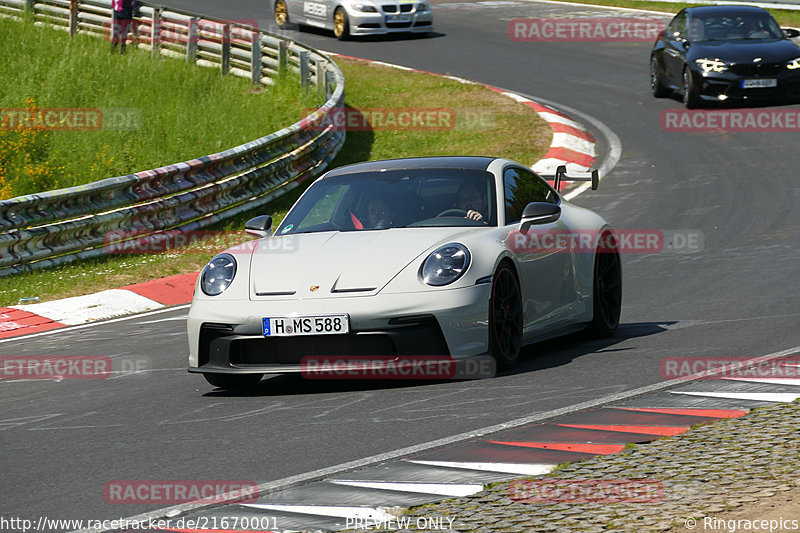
<point>734,27</point>
<point>395,199</point>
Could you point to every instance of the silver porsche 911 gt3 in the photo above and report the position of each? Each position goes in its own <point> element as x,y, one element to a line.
<point>454,257</point>
<point>356,17</point>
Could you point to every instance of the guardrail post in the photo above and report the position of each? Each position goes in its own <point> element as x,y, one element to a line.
<point>283,58</point>
<point>321,69</point>
<point>156,34</point>
<point>226,48</point>
<point>328,84</point>
<point>73,16</point>
<point>191,42</point>
<point>304,68</point>
<point>255,58</point>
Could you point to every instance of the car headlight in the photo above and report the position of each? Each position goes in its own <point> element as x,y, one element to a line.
<point>218,274</point>
<point>793,64</point>
<point>445,264</point>
<point>711,65</point>
<point>365,8</point>
<point>422,6</point>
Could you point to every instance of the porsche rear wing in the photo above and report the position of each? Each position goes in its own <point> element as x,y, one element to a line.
<point>561,176</point>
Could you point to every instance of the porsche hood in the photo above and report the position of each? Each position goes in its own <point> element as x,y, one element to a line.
<point>331,264</point>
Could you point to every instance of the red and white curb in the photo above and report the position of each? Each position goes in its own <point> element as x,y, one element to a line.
<point>572,144</point>
<point>34,318</point>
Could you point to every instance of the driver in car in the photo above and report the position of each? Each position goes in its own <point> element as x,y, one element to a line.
<point>472,200</point>
<point>379,213</point>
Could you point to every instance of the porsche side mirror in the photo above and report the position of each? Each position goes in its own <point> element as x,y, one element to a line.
<point>791,33</point>
<point>540,213</point>
<point>259,226</point>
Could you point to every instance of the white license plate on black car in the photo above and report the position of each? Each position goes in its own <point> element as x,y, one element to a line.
<point>398,18</point>
<point>289,326</point>
<point>759,83</point>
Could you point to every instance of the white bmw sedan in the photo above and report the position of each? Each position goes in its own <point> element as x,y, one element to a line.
<point>356,17</point>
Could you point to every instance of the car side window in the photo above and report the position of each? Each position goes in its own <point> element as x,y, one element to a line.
<point>522,187</point>
<point>677,28</point>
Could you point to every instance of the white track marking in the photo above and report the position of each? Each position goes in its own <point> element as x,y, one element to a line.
<point>440,489</point>
<point>523,469</point>
<point>777,397</point>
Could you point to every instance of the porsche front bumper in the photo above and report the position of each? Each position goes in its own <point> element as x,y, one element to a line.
<point>226,336</point>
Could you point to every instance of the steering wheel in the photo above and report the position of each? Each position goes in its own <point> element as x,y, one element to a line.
<point>452,213</point>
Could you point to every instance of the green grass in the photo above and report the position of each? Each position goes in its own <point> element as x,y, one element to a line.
<point>482,121</point>
<point>785,17</point>
<point>176,111</point>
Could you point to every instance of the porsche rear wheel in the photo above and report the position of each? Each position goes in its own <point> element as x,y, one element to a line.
<point>281,13</point>
<point>233,381</point>
<point>341,26</point>
<point>505,318</point>
<point>607,294</point>
<point>658,88</point>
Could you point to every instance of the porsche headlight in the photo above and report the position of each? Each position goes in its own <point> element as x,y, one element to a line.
<point>445,264</point>
<point>218,274</point>
<point>365,8</point>
<point>711,65</point>
<point>793,64</point>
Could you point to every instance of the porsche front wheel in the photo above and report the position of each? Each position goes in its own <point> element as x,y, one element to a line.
<point>233,381</point>
<point>505,318</point>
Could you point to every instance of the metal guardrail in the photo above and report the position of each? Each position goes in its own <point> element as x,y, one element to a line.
<point>55,227</point>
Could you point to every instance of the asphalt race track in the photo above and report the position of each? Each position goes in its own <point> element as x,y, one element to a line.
<point>61,442</point>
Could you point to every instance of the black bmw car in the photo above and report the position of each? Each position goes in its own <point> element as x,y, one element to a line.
<point>725,53</point>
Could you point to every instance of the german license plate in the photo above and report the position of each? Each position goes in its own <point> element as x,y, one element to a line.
<point>759,83</point>
<point>398,18</point>
<point>289,326</point>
